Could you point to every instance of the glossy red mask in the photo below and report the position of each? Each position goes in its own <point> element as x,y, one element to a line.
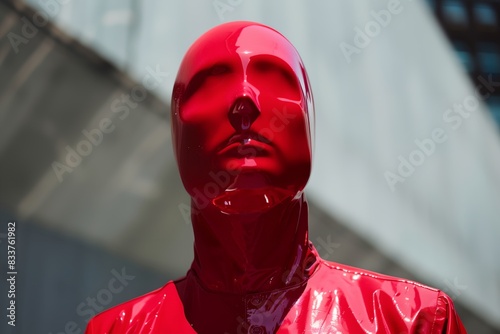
<point>241,117</point>
<point>242,113</point>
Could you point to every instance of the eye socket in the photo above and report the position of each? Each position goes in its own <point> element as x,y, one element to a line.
<point>274,77</point>
<point>199,79</point>
<point>219,69</point>
<point>273,69</point>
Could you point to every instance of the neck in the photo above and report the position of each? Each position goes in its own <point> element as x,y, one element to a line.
<point>245,253</point>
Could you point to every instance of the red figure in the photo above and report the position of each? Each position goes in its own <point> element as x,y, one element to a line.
<point>242,113</point>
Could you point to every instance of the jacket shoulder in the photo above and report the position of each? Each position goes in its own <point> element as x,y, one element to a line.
<point>373,298</point>
<point>135,311</point>
<point>374,279</point>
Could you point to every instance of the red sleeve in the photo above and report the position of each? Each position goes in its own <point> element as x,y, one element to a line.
<point>447,320</point>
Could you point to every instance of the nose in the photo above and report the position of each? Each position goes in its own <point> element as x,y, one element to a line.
<point>243,113</point>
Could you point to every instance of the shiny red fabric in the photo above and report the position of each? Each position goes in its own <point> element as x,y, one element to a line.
<point>242,119</point>
<point>335,299</point>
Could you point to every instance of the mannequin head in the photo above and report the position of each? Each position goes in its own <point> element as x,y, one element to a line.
<point>242,115</point>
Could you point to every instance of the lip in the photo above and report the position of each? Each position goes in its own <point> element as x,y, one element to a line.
<point>235,144</point>
<point>244,138</point>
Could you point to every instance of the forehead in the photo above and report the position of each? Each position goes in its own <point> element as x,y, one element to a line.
<point>236,43</point>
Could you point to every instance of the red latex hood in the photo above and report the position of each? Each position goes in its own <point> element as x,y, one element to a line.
<point>241,117</point>
<point>242,114</point>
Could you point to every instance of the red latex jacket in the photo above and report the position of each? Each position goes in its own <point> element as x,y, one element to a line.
<point>242,113</point>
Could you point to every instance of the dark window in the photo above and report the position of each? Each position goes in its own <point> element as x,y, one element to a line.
<point>484,14</point>
<point>454,12</point>
<point>473,27</point>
